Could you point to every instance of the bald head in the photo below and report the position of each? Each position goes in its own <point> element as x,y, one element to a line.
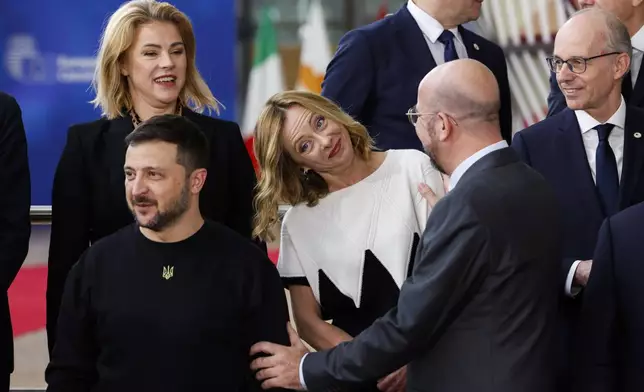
<point>465,89</point>
<point>458,107</point>
<point>592,85</point>
<point>595,30</point>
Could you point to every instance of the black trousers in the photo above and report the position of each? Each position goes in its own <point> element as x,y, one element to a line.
<point>4,381</point>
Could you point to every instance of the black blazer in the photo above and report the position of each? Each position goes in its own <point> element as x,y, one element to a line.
<point>89,202</point>
<point>375,72</point>
<point>479,311</point>
<point>610,350</point>
<point>15,223</point>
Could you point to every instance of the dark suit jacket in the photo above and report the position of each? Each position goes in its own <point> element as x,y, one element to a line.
<point>15,222</point>
<point>479,311</point>
<point>554,147</point>
<point>89,202</point>
<point>610,351</point>
<point>557,101</point>
<point>375,73</point>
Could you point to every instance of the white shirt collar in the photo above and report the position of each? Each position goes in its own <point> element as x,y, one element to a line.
<point>430,27</point>
<point>638,40</point>
<point>587,122</point>
<point>466,164</point>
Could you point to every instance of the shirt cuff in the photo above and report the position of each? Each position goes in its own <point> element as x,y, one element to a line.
<point>570,290</point>
<point>302,371</point>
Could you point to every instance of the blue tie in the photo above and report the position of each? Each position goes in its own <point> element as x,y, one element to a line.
<point>447,38</point>
<point>606,168</point>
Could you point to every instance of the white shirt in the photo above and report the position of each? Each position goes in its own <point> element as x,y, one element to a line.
<point>638,52</point>
<point>590,138</point>
<point>456,176</point>
<point>466,164</point>
<point>392,191</point>
<point>383,213</point>
<point>432,29</point>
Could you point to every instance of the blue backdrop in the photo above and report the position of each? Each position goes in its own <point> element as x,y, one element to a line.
<point>47,50</point>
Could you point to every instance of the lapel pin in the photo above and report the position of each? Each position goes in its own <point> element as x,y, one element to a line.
<point>476,47</point>
<point>637,135</point>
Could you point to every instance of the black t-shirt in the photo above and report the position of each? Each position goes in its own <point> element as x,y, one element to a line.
<point>139,315</point>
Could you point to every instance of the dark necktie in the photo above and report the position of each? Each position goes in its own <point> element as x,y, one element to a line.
<point>627,86</point>
<point>447,38</point>
<point>606,171</point>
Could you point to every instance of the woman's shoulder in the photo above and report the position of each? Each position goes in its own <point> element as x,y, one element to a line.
<point>292,216</point>
<point>89,126</point>
<point>210,124</point>
<point>418,167</point>
<point>412,162</point>
<point>409,155</point>
<point>298,217</point>
<point>89,133</point>
<point>335,207</point>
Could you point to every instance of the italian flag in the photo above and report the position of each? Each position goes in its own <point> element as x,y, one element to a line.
<point>265,80</point>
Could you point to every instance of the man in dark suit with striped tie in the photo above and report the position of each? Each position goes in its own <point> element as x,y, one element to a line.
<point>632,15</point>
<point>376,70</point>
<point>592,152</point>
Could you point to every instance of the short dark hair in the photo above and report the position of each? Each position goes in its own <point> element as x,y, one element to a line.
<point>192,145</point>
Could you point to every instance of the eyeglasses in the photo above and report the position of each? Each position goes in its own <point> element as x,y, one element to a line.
<point>575,64</point>
<point>413,115</point>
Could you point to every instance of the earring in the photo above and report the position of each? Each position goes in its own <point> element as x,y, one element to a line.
<point>305,174</point>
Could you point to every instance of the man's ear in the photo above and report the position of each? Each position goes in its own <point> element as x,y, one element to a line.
<point>446,127</point>
<point>197,180</point>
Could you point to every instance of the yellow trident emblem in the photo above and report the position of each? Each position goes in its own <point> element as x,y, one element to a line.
<point>168,272</point>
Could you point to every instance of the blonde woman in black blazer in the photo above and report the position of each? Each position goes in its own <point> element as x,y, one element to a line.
<point>145,67</point>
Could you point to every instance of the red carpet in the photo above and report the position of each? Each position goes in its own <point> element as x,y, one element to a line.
<point>27,298</point>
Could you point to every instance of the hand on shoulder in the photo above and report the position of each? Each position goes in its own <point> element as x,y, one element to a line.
<point>428,194</point>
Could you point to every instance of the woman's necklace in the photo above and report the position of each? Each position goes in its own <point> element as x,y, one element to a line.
<point>136,120</point>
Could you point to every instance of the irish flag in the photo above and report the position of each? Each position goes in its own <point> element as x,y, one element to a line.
<point>316,54</point>
<point>265,80</point>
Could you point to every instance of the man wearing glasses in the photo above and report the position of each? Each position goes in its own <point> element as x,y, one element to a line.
<point>632,15</point>
<point>592,152</point>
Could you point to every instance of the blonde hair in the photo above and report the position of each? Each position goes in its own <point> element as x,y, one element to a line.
<point>281,179</point>
<point>110,85</point>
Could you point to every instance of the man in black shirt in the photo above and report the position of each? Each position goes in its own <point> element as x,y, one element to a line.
<point>171,302</point>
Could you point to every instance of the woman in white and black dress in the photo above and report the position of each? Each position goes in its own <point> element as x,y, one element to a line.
<point>349,240</point>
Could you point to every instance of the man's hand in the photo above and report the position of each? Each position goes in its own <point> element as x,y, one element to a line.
<point>395,382</point>
<point>428,194</point>
<point>582,273</point>
<point>282,368</point>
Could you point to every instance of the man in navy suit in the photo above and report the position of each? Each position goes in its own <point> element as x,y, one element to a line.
<point>592,152</point>
<point>632,15</point>
<point>610,354</point>
<point>376,70</point>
